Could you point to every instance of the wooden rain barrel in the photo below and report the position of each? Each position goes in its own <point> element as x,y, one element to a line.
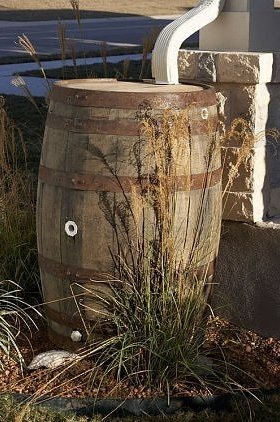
<point>73,234</point>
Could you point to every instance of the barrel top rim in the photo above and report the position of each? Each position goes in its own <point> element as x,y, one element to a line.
<point>145,87</point>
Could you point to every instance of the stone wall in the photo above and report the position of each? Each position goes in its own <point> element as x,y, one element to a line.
<point>250,86</point>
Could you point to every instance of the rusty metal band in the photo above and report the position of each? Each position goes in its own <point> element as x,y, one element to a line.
<point>119,127</point>
<point>71,322</point>
<point>130,100</point>
<point>100,183</point>
<point>68,320</point>
<point>79,275</point>
<point>71,273</point>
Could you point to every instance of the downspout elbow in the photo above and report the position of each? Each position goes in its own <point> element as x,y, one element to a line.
<point>165,53</point>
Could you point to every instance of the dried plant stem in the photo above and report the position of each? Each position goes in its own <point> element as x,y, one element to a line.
<point>63,46</point>
<point>19,82</point>
<point>27,45</point>
<point>148,45</point>
<point>103,54</point>
<point>75,4</point>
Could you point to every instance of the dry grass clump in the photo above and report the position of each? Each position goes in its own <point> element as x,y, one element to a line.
<point>155,315</point>
<point>241,135</point>
<point>18,257</point>
<point>17,207</point>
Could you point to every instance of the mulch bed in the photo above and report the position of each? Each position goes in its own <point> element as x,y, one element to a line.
<point>258,357</point>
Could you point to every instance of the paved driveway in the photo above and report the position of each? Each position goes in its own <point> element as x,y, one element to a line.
<point>115,31</point>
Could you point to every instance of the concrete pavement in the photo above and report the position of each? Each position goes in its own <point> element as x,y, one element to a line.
<point>115,31</point>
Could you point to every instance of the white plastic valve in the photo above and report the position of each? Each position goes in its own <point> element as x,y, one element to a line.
<point>204,113</point>
<point>71,228</point>
<point>76,336</point>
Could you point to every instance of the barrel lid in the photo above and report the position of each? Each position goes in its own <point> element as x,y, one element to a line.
<point>112,85</point>
<point>129,94</point>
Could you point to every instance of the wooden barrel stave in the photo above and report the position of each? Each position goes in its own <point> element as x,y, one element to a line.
<point>81,158</point>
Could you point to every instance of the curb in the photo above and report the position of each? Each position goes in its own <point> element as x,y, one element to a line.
<point>138,407</point>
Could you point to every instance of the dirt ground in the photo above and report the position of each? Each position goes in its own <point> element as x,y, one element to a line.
<point>258,357</point>
<point>48,9</point>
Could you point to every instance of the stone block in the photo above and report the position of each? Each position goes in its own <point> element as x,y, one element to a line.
<point>247,68</point>
<point>228,67</point>
<point>246,190</point>
<point>187,64</point>
<point>242,179</point>
<point>247,288</point>
<point>238,206</point>
<point>207,67</point>
<point>261,102</point>
<point>242,104</point>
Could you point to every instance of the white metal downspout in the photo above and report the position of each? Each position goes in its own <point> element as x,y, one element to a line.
<point>169,41</point>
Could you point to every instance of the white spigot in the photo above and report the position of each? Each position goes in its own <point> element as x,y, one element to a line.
<point>169,41</point>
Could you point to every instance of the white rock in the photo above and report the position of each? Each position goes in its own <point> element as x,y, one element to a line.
<point>52,359</point>
<point>76,336</point>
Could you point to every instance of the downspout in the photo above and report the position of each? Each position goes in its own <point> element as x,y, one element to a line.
<point>169,41</point>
